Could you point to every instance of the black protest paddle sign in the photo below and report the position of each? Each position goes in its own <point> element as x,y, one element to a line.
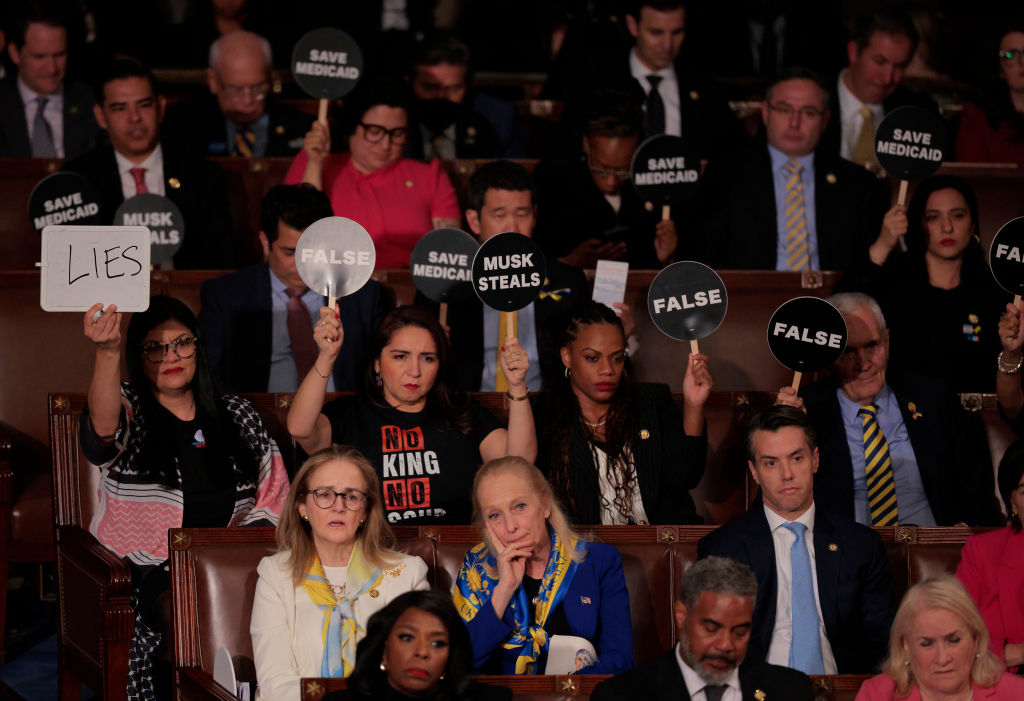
<point>335,257</point>
<point>1006,258</point>
<point>63,198</point>
<point>911,143</point>
<point>508,271</point>
<point>806,334</point>
<point>442,264</point>
<point>163,219</point>
<point>327,63</point>
<point>687,301</point>
<point>664,170</point>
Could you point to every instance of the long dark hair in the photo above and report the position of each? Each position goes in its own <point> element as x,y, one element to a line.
<point>160,451</point>
<point>564,408</point>
<point>917,234</point>
<point>996,102</point>
<point>1011,467</point>
<point>444,397</point>
<point>368,679</point>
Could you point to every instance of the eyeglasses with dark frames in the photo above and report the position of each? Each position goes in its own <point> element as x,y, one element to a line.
<point>325,498</point>
<point>184,347</point>
<point>375,132</point>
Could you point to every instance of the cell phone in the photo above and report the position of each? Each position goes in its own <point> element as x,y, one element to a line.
<point>616,233</point>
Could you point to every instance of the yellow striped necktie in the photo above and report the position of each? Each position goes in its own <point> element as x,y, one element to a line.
<point>878,467</point>
<point>797,249</point>
<point>244,140</point>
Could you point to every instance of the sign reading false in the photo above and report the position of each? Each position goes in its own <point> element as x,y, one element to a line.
<point>81,265</point>
<point>335,257</point>
<point>508,271</point>
<point>442,266</point>
<point>163,219</point>
<point>687,301</point>
<point>665,171</point>
<point>1006,258</point>
<point>63,198</point>
<point>327,63</point>
<point>806,334</point>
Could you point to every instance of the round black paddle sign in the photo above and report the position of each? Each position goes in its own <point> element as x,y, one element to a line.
<point>335,256</point>
<point>807,334</point>
<point>910,143</point>
<point>63,198</point>
<point>664,170</point>
<point>327,63</point>
<point>1006,256</point>
<point>508,271</point>
<point>442,264</point>
<point>687,301</point>
<point>163,219</point>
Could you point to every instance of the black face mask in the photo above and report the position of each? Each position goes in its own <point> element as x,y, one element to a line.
<point>436,115</point>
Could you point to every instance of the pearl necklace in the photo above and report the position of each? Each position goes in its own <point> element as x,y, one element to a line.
<point>599,424</point>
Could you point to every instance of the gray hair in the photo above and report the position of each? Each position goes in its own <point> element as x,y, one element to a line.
<point>849,302</point>
<point>718,575</point>
<point>217,46</point>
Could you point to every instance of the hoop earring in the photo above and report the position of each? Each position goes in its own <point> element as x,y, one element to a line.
<point>567,372</point>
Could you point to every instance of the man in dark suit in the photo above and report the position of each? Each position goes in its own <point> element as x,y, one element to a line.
<point>824,599</point>
<point>784,203</point>
<point>247,317</point>
<point>500,201</point>
<point>714,617</point>
<point>933,456</point>
<point>135,163</point>
<point>42,115</point>
<point>239,116</point>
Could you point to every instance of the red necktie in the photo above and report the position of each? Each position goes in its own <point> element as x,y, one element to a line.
<point>300,332</point>
<point>140,180</point>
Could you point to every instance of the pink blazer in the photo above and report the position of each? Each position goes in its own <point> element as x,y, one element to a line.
<point>992,569</point>
<point>881,687</point>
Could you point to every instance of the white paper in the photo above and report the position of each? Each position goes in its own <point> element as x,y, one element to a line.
<point>224,670</point>
<point>568,654</point>
<point>610,282</point>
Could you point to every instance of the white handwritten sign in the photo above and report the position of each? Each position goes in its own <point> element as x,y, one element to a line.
<point>82,265</point>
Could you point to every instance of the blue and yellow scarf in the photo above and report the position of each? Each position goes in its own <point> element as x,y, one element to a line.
<point>341,631</point>
<point>475,586</point>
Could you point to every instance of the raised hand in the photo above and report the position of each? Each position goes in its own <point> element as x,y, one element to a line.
<point>697,381</point>
<point>514,363</point>
<point>328,332</point>
<point>105,331</point>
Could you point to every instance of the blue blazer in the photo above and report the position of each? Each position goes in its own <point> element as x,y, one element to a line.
<point>596,607</point>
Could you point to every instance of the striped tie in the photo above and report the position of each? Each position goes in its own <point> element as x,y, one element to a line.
<point>797,251</point>
<point>244,139</point>
<point>878,466</point>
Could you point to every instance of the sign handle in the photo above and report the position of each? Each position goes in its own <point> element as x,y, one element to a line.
<point>1016,301</point>
<point>443,316</point>
<point>693,347</point>
<point>901,199</point>
<point>510,323</point>
<point>796,379</point>
<point>666,211</point>
<point>331,299</point>
<point>322,115</point>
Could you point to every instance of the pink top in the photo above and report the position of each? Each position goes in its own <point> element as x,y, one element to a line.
<point>881,687</point>
<point>395,204</point>
<point>992,569</point>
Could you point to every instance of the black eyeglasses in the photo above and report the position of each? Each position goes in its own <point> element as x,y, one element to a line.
<point>606,172</point>
<point>184,347</point>
<point>325,498</point>
<point>375,132</point>
<point>1011,54</point>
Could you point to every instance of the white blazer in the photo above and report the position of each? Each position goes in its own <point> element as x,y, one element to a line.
<point>286,625</point>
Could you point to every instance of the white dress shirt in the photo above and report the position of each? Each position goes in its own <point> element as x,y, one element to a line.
<point>782,634</point>
<point>850,119</point>
<point>53,114</point>
<point>695,685</point>
<point>668,88</point>
<point>154,175</point>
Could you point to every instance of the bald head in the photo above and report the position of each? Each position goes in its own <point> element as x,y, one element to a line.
<point>238,75</point>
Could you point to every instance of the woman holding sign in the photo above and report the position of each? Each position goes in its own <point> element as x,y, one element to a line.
<point>171,454</point>
<point>424,437</point>
<point>618,452</point>
<point>395,199</point>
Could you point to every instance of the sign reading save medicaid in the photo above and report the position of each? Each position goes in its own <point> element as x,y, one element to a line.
<point>664,170</point>
<point>335,257</point>
<point>63,198</point>
<point>163,219</point>
<point>442,264</point>
<point>327,63</point>
<point>1006,257</point>
<point>687,301</point>
<point>911,143</point>
<point>508,271</point>
<point>807,334</point>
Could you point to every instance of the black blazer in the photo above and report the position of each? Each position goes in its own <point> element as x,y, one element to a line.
<point>901,97</point>
<point>466,321</point>
<point>237,330</point>
<point>661,680</point>
<point>738,212</point>
<point>80,127</point>
<point>195,185</point>
<point>668,462</point>
<point>854,584</point>
<point>950,447</point>
<point>474,135</point>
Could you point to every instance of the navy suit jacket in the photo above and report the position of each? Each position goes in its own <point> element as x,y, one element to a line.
<point>854,584</point>
<point>901,97</point>
<point>237,330</point>
<point>950,448</point>
<point>80,128</point>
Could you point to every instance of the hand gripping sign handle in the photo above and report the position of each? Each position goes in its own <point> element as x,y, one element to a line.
<point>901,199</point>
<point>796,379</point>
<point>693,347</point>
<point>442,317</point>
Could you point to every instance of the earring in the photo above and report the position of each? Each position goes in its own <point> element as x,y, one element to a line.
<point>441,678</point>
<point>906,663</point>
<point>382,667</point>
<point>567,372</point>
<point>376,378</point>
<point>305,516</point>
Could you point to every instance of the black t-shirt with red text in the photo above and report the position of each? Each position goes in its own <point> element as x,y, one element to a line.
<point>426,469</point>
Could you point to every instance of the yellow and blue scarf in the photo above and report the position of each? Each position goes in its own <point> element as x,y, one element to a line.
<point>341,631</point>
<point>475,586</point>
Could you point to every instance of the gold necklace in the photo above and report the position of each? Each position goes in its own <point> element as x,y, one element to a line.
<point>337,590</point>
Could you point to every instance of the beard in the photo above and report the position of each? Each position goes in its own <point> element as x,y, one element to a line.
<point>701,670</point>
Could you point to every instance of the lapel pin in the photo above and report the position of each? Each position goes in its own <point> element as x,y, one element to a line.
<point>471,131</point>
<point>973,318</point>
<point>694,95</point>
<point>649,206</point>
<point>832,547</point>
<point>409,183</point>
<point>585,600</point>
<point>759,695</point>
<point>279,129</point>
<point>914,413</point>
<point>374,593</point>
<point>644,434</point>
<point>174,183</point>
<point>831,178</point>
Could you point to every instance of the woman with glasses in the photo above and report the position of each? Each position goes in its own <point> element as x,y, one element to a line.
<point>171,453</point>
<point>395,199</point>
<point>334,568</point>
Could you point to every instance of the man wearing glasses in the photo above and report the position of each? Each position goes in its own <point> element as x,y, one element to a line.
<point>784,203</point>
<point>239,117</point>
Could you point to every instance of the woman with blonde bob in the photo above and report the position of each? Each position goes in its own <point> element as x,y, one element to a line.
<point>335,566</point>
<point>938,651</point>
<point>533,578</point>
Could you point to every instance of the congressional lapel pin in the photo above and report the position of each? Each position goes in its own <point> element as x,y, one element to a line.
<point>374,593</point>
<point>694,95</point>
<point>973,318</point>
<point>174,183</point>
<point>409,183</point>
<point>759,695</point>
<point>914,413</point>
<point>832,547</point>
<point>585,600</point>
<point>279,129</point>
<point>831,178</point>
<point>644,434</point>
<point>471,131</point>
<point>649,206</point>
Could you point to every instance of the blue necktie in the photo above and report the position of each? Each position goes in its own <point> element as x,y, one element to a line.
<point>805,650</point>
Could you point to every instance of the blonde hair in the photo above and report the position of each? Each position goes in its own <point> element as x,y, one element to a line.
<point>294,534</point>
<point>539,485</point>
<point>942,592</point>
